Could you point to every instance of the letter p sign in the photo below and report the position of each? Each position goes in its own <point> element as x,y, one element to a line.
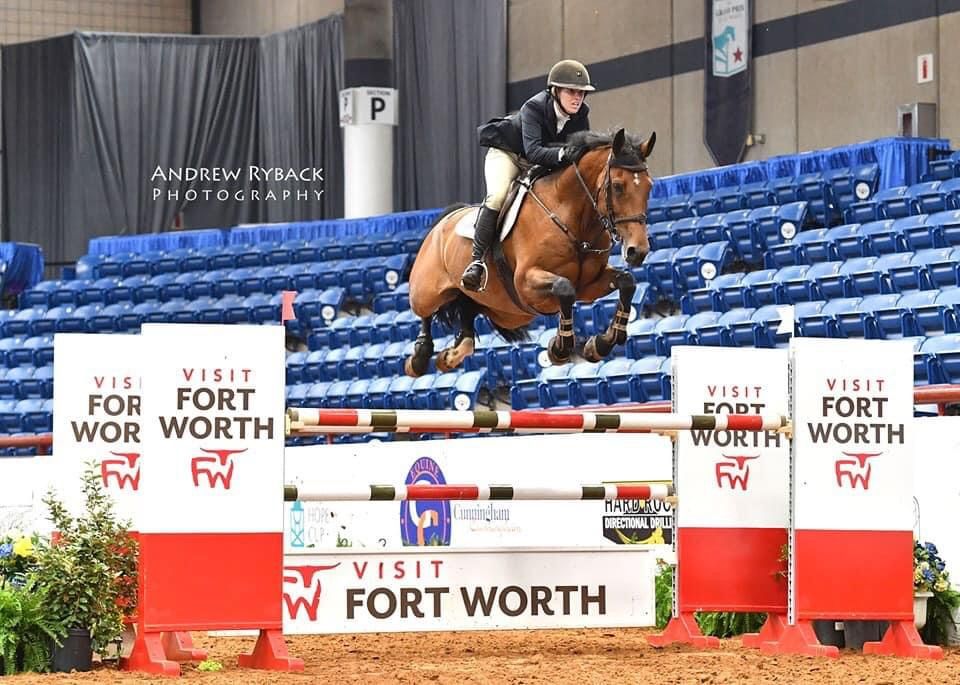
<point>377,105</point>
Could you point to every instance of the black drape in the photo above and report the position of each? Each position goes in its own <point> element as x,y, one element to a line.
<point>301,74</point>
<point>450,73</point>
<point>93,123</point>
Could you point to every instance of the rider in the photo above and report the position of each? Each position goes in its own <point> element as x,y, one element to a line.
<point>535,135</point>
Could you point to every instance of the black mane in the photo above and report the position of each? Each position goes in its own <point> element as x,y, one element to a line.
<point>582,142</point>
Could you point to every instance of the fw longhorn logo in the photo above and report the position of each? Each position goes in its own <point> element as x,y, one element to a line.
<point>302,589</point>
<point>124,471</point>
<point>216,468</point>
<point>736,471</point>
<point>855,469</point>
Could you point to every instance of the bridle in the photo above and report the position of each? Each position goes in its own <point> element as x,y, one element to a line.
<point>608,221</point>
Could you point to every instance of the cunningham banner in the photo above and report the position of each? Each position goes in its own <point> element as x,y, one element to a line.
<point>728,78</point>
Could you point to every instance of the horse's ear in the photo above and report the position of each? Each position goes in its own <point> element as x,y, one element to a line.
<point>646,148</point>
<point>618,141</point>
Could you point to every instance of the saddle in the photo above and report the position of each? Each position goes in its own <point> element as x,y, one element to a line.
<point>516,194</point>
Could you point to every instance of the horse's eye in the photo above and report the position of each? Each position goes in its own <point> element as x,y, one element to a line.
<point>617,188</point>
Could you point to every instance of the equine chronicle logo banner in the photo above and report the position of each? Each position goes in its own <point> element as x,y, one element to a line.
<point>730,31</point>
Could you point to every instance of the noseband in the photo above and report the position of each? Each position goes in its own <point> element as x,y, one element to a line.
<point>608,220</point>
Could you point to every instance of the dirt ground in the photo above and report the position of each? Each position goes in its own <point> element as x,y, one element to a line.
<point>560,656</point>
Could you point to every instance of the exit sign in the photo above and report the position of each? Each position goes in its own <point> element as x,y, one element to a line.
<point>924,68</point>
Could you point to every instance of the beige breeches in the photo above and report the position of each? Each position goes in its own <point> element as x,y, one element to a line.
<point>499,168</point>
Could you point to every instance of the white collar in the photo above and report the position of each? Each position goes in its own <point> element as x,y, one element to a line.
<point>562,117</point>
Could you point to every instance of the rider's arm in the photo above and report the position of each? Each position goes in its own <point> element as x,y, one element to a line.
<point>532,126</point>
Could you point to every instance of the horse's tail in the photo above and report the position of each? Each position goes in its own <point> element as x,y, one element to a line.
<point>453,313</point>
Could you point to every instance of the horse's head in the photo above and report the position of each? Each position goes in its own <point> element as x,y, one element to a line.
<point>625,194</point>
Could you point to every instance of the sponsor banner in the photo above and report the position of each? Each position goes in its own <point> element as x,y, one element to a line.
<point>732,479</point>
<point>853,426</point>
<point>728,80</point>
<point>550,460</point>
<point>213,429</point>
<point>352,591</point>
<point>96,417</point>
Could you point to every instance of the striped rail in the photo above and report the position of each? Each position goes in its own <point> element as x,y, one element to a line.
<point>397,493</point>
<point>308,420</point>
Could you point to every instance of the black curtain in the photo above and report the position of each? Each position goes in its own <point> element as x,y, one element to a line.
<point>93,123</point>
<point>37,126</point>
<point>450,73</point>
<point>301,75</point>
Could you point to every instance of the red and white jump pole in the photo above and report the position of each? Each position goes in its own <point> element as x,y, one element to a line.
<point>399,493</point>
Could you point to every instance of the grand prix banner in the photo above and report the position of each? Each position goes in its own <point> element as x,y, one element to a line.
<point>442,589</point>
<point>552,460</point>
<point>728,78</point>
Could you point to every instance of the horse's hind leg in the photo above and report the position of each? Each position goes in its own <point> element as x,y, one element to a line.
<point>418,362</point>
<point>463,345</point>
<point>599,346</point>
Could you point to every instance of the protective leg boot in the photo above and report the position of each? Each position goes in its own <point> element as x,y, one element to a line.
<point>475,275</point>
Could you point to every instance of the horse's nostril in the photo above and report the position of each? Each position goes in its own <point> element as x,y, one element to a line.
<point>631,251</point>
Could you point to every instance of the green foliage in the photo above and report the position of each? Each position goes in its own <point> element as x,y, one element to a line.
<point>209,665</point>
<point>720,624</point>
<point>26,628</point>
<point>90,573</point>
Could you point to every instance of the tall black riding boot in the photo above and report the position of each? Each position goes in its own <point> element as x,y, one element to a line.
<point>475,275</point>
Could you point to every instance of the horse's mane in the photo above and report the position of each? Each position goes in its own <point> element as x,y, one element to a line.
<point>582,142</point>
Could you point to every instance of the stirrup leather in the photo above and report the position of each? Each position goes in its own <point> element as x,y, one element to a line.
<point>483,279</point>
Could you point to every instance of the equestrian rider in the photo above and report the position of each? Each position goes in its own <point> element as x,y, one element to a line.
<point>534,135</point>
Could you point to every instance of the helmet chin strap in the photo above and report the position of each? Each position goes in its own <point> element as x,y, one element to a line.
<point>556,98</point>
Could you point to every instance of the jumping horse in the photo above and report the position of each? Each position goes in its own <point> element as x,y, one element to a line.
<point>555,255</point>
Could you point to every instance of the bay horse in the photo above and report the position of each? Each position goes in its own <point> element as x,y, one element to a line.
<point>555,255</point>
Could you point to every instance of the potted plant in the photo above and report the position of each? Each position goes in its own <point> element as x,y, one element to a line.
<point>934,600</point>
<point>89,574</point>
<point>26,629</point>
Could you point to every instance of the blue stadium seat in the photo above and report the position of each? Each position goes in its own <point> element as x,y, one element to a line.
<point>705,202</point>
<point>392,359</point>
<point>731,198</point>
<point>720,334</point>
<point>107,320</point>
<point>39,294</point>
<point>522,360</point>
<point>895,203</point>
<point>316,396</point>
<point>766,320</point>
<point>817,191</point>
<point>295,364</point>
<point>755,287</point>
<point>853,184</point>
<point>857,277</point>
<point>421,394</point>
<point>882,317</point>
<point>684,232</point>
<point>554,387</point>
<point>848,242</point>
<point>21,323</point>
<point>395,300</point>
<point>660,235</point>
<point>951,190</point>
<point>378,393</point>
<point>944,168</point>
<point>585,384</point>
<point>38,351</point>
<point>942,354</point>
<point>356,395</point>
<point>336,395</point>
<point>614,381</point>
<point>670,331</point>
<point>641,338</point>
<point>787,222</point>
<point>656,210</point>
<point>296,394</point>
<point>700,265</point>
<point>658,267</point>
<point>710,228</point>
<point>929,197</point>
<point>741,233</point>
<point>648,380</point>
<point>443,390</point>
<point>923,315</point>
<point>947,226</point>
<point>361,332</point>
<point>784,190</point>
<point>350,364</point>
<point>915,233</point>
<point>820,319</point>
<point>882,238</point>
<point>313,369</point>
<point>678,206</point>
<point>758,194</point>
<point>11,380</point>
<point>466,392</point>
<point>35,417</point>
<point>76,321</point>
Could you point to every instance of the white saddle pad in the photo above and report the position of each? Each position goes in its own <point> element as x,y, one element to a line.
<point>464,227</point>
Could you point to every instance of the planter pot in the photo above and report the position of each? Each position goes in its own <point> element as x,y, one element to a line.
<point>920,608</point>
<point>76,654</point>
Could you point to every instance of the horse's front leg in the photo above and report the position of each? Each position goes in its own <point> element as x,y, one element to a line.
<point>544,290</point>
<point>599,346</point>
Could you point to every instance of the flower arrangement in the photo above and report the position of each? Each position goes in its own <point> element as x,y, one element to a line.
<point>17,557</point>
<point>930,575</point>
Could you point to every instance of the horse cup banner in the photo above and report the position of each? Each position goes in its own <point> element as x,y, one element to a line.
<point>728,78</point>
<point>442,589</point>
<point>96,417</point>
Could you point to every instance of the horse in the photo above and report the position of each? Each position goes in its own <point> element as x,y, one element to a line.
<point>555,255</point>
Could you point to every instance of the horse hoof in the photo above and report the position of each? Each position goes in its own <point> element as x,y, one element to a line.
<point>443,363</point>
<point>452,357</point>
<point>590,350</point>
<point>556,358</point>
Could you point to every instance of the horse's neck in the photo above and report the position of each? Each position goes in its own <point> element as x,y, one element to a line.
<point>573,204</point>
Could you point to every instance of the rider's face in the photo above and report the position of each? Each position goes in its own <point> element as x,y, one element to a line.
<point>571,99</point>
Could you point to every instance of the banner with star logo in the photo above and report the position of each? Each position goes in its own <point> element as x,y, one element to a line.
<point>728,91</point>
